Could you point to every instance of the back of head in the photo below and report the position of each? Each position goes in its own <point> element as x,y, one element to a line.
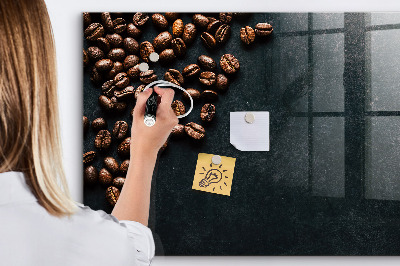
<point>29,126</point>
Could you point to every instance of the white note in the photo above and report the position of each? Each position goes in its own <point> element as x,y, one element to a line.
<point>250,135</point>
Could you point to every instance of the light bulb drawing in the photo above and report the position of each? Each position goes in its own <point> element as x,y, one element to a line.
<point>213,176</point>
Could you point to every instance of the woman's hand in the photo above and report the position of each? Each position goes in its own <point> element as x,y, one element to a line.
<point>146,139</point>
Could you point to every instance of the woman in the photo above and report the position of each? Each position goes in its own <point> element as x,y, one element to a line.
<point>40,223</point>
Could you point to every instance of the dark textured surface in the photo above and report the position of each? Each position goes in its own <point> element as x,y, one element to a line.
<point>305,196</point>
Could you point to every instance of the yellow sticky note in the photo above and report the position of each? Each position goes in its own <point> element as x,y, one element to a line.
<point>214,178</point>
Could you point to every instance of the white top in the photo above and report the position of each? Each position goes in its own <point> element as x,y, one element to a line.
<point>29,235</point>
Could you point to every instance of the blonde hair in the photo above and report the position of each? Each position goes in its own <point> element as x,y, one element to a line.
<point>29,126</point>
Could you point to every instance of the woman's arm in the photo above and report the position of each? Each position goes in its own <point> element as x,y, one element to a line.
<point>134,202</point>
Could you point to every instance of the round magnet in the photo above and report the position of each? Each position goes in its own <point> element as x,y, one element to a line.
<point>154,57</point>
<point>143,67</point>
<point>249,118</point>
<point>216,159</point>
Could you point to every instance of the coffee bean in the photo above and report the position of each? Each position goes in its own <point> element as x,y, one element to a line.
<point>229,64</point>
<point>178,131</point>
<point>226,17</point>
<point>247,35</point>
<point>119,25</point>
<point>111,164</point>
<point>118,182</point>
<point>121,80</point>
<point>207,63</point>
<point>99,124</point>
<point>162,41</point>
<point>85,124</point>
<point>134,72</point>
<point>108,88</point>
<point>95,53</point>
<point>200,20</point>
<point>123,168</point>
<point>167,56</point>
<point>90,175</point>
<point>124,148</point>
<point>207,78</point>
<point>148,76</point>
<point>103,140</point>
<point>120,129</point>
<point>87,19</point>
<point>145,49</point>
<point>209,96</point>
<point>133,31</point>
<point>103,44</point>
<point>85,58</point>
<point>195,131</point>
<point>263,29</point>
<point>193,92</point>
<point>107,21</point>
<point>139,19</point>
<point>178,107</point>
<point>207,112</point>
<point>174,76</point>
<point>116,54</point>
<point>179,47</point>
<point>126,94</point>
<point>139,90</point>
<point>115,40</point>
<point>208,40</point>
<point>223,33</point>
<point>189,33</point>
<point>105,177</point>
<point>88,157</point>
<point>105,103</point>
<point>222,83</point>
<point>131,61</point>
<point>118,67</point>
<point>171,16</point>
<point>94,31</point>
<point>95,76</point>
<point>104,65</point>
<point>177,28</point>
<point>159,21</point>
<point>118,107</point>
<point>112,195</point>
<point>131,46</point>
<point>191,71</point>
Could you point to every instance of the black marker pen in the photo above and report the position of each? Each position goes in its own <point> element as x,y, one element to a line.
<point>151,109</point>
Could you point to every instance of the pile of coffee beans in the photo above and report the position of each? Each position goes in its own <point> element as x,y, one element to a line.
<point>113,56</point>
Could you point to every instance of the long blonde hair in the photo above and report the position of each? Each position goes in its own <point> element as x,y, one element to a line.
<point>29,122</point>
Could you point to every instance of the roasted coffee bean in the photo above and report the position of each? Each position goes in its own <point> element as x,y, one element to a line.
<point>247,35</point>
<point>207,78</point>
<point>179,47</point>
<point>229,64</point>
<point>191,71</point>
<point>131,61</point>
<point>134,72</point>
<point>116,54</point>
<point>105,103</point>
<point>103,140</point>
<point>207,112</point>
<point>118,182</point>
<point>119,25</point>
<point>107,21</point>
<point>226,17</point>
<point>104,65</point>
<point>222,83</point>
<point>159,21</point>
<point>94,31</point>
<point>90,175</point>
<point>223,33</point>
<point>85,58</point>
<point>111,164</point>
<point>118,107</point>
<point>148,76</point>
<point>171,16</point>
<point>139,90</point>
<point>208,40</point>
<point>95,53</point>
<point>164,146</point>
<point>103,44</point>
<point>88,157</point>
<point>115,40</point>
<point>124,148</point>
<point>133,31</point>
<point>126,94</point>
<point>108,88</point>
<point>131,46</point>
<point>195,131</point>
<point>177,28</point>
<point>212,27</point>
<point>178,107</point>
<point>105,177</point>
<point>200,20</point>
<point>178,131</point>
<point>145,49</point>
<point>207,63</point>
<point>118,67</point>
<point>263,29</point>
<point>121,80</point>
<point>120,129</point>
<point>99,124</point>
<point>85,124</point>
<point>189,33</point>
<point>139,19</point>
<point>195,94</point>
<point>167,56</point>
<point>87,19</point>
<point>95,76</point>
<point>209,96</point>
<point>112,195</point>
<point>174,76</point>
<point>162,41</point>
<point>123,168</point>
